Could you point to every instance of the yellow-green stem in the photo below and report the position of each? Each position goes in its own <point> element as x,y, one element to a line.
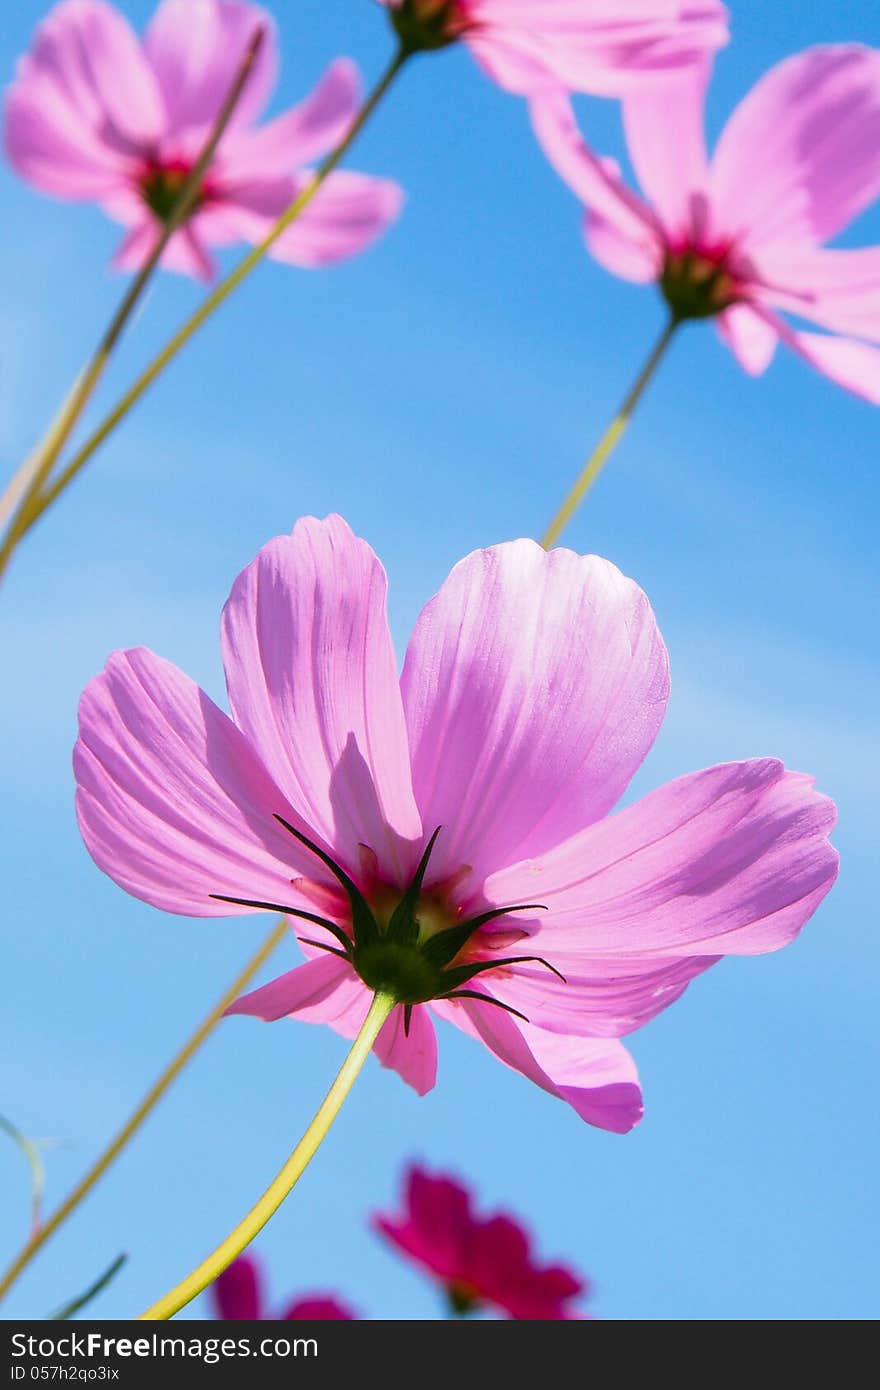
<point>216,297</point>
<point>593,467</point>
<point>48,1228</point>
<point>22,500</point>
<point>275,1193</point>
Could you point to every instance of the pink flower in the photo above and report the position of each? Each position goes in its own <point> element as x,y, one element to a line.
<point>598,46</point>
<point>477,1260</point>
<point>413,823</point>
<point>742,236</point>
<point>98,116</point>
<point>238,1297</point>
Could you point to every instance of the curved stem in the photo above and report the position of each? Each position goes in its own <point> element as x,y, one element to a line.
<point>21,500</point>
<point>293,1169</point>
<point>48,1228</point>
<point>217,296</point>
<point>593,467</point>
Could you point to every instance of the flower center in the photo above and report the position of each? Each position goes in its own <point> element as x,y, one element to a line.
<point>463,1299</point>
<point>161,186</point>
<point>427,24</point>
<point>697,284</point>
<point>410,946</point>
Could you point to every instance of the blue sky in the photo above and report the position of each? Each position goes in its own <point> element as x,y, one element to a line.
<point>440,393</point>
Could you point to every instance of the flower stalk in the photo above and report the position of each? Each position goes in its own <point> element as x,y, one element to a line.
<point>24,498</point>
<point>214,300</point>
<point>289,1175</point>
<point>611,438</point>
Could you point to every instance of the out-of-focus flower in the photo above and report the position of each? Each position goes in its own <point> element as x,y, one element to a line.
<point>237,1296</point>
<point>446,836</point>
<point>598,46</point>
<point>98,116</point>
<point>741,237</point>
<point>478,1261</point>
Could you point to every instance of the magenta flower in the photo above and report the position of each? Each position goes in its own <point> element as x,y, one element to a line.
<point>479,1261</point>
<point>237,1295</point>
<point>413,824</point>
<point>598,46</point>
<point>742,237</point>
<point>97,116</point>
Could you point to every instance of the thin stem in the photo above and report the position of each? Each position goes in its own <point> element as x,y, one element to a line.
<point>217,296</point>
<point>275,1193</point>
<point>22,500</point>
<point>40,1236</point>
<point>593,467</point>
<point>35,1162</point>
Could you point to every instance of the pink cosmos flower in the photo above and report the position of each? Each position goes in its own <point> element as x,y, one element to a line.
<point>97,116</point>
<point>237,1296</point>
<point>598,46</point>
<point>479,1261</point>
<point>742,236</point>
<point>414,824</point>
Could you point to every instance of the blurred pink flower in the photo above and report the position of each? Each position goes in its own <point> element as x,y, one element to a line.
<point>237,1296</point>
<point>598,46</point>
<point>479,1261</point>
<point>95,115</point>
<point>741,237</point>
<point>415,822</point>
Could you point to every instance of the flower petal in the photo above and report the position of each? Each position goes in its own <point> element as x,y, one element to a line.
<point>236,1292</point>
<point>304,133</point>
<point>344,218</point>
<point>731,860</point>
<point>594,180</point>
<point>84,105</point>
<point>598,998</point>
<point>196,48</point>
<point>666,140</point>
<point>838,289</point>
<point>800,156</point>
<point>602,48</point>
<point>324,990</point>
<point>414,1057</point>
<point>596,1076</point>
<point>534,685</point>
<point>172,801</point>
<point>313,683</point>
<point>750,338</point>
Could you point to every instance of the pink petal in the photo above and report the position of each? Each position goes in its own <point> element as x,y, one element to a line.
<point>731,860</point>
<point>853,365</point>
<point>304,133</point>
<point>414,1057</point>
<point>313,683</point>
<point>749,337</point>
<point>602,48</point>
<point>598,998</point>
<point>666,140</point>
<point>324,990</point>
<point>800,156</point>
<point>636,258</point>
<point>838,289</point>
<point>318,1308</point>
<point>534,685</point>
<point>236,1292</point>
<point>596,1076</point>
<point>172,801</point>
<point>196,48</point>
<point>348,214</point>
<point>436,1226</point>
<point>595,181</point>
<point>84,106</point>
<point>185,252</point>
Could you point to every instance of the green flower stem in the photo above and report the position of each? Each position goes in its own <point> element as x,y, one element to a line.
<point>271,1200</point>
<point>603,450</point>
<point>217,297</point>
<point>24,499</point>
